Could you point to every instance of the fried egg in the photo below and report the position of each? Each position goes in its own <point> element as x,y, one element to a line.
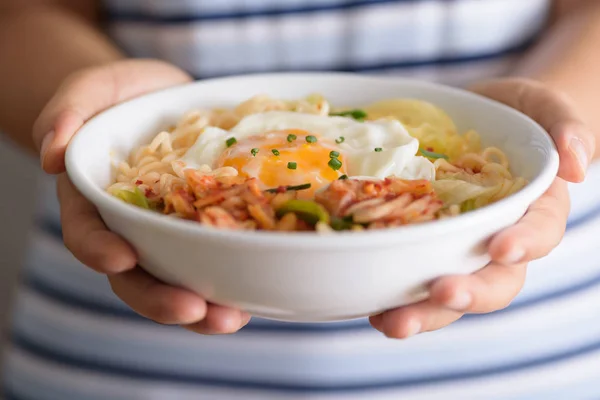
<point>291,148</point>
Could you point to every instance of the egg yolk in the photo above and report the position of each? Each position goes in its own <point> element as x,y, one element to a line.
<point>286,158</point>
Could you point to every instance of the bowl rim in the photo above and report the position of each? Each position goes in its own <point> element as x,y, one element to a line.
<point>311,240</point>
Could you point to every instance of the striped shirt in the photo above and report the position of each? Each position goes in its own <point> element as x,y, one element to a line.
<point>73,339</point>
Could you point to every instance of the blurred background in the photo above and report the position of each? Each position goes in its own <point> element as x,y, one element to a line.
<point>16,216</point>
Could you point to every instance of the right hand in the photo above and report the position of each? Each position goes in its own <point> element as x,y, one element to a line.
<point>80,97</point>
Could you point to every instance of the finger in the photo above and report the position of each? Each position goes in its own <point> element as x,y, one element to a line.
<point>490,289</point>
<point>153,299</point>
<point>90,92</point>
<point>220,320</point>
<point>538,232</point>
<point>555,113</point>
<point>376,321</point>
<point>408,321</point>
<point>86,236</point>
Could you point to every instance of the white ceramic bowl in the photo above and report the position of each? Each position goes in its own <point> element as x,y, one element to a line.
<point>305,276</point>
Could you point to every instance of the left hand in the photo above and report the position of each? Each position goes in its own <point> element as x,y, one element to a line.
<point>533,237</point>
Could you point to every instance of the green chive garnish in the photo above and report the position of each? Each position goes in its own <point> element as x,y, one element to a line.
<point>431,154</point>
<point>340,140</point>
<point>378,149</point>
<point>275,151</point>
<point>334,154</point>
<point>299,187</point>
<point>291,138</point>
<point>358,115</point>
<point>254,152</point>
<point>292,165</point>
<point>343,177</point>
<point>230,142</point>
<point>334,164</point>
<point>311,139</point>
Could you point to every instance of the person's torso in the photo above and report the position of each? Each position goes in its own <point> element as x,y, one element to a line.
<point>454,41</point>
<point>70,328</point>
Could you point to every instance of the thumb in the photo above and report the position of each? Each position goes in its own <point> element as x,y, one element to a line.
<point>90,91</point>
<point>555,113</point>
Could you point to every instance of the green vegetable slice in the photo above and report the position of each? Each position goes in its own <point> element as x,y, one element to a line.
<point>299,187</point>
<point>431,154</point>
<point>137,198</point>
<point>306,210</point>
<point>358,115</point>
<point>342,224</point>
<point>467,206</point>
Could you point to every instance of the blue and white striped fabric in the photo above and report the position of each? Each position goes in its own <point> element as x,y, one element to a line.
<point>74,340</point>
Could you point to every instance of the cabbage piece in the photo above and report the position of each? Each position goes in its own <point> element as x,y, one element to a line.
<point>137,198</point>
<point>457,192</point>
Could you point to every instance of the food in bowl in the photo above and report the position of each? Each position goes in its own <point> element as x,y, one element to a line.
<point>303,165</point>
<point>303,276</point>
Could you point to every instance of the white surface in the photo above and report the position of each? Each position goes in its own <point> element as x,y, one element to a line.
<point>299,276</point>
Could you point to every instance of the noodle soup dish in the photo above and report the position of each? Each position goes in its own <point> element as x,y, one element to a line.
<point>303,165</point>
<point>310,197</point>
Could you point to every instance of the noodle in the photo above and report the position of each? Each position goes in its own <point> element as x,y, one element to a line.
<point>221,198</point>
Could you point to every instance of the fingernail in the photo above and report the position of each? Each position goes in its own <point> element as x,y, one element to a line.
<point>514,256</point>
<point>460,301</point>
<point>245,318</point>
<point>46,142</point>
<point>414,327</point>
<point>578,149</point>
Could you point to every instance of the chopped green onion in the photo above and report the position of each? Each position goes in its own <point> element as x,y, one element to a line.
<point>334,164</point>
<point>309,211</point>
<point>431,154</point>
<point>291,138</point>
<point>231,141</point>
<point>378,149</point>
<point>311,139</point>
<point>275,152</point>
<point>358,115</point>
<point>342,224</point>
<point>254,152</point>
<point>136,198</point>
<point>334,154</point>
<point>340,140</point>
<point>343,177</point>
<point>292,165</point>
<point>299,187</point>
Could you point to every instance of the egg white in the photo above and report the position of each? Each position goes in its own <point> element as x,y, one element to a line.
<point>397,158</point>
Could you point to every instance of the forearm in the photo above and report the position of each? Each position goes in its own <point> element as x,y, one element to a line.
<point>39,48</point>
<point>568,59</point>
